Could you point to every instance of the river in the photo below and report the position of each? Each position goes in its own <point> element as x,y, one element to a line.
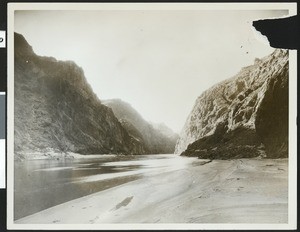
<point>41,184</point>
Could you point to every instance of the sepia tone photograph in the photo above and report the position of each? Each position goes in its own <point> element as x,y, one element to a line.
<point>149,116</point>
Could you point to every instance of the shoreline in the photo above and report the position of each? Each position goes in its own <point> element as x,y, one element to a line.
<point>233,191</point>
<point>53,155</point>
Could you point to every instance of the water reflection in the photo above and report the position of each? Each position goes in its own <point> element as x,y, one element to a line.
<point>41,184</point>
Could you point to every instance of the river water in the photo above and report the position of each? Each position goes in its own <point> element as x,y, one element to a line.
<point>40,184</point>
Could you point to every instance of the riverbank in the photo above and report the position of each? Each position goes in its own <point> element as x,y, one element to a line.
<point>55,155</point>
<point>232,191</point>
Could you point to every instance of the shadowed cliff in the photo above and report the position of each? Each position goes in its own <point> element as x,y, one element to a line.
<point>157,139</point>
<point>56,109</point>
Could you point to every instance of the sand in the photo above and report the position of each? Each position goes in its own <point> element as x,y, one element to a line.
<point>232,191</point>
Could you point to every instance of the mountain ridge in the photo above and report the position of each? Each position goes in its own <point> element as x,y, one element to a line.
<point>155,140</point>
<point>51,100</point>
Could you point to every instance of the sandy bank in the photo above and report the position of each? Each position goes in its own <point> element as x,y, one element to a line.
<point>235,191</point>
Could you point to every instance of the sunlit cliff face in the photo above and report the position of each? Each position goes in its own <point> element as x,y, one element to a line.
<point>248,112</point>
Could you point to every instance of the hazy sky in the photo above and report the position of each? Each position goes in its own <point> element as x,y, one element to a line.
<point>158,61</point>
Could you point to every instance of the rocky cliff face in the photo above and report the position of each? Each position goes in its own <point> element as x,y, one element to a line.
<point>56,109</point>
<point>155,140</point>
<point>245,116</point>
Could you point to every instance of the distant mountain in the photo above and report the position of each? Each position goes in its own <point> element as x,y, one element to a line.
<point>165,130</point>
<point>56,109</point>
<point>245,116</point>
<point>156,140</point>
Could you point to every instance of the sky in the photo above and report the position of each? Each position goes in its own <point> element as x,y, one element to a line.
<point>157,61</point>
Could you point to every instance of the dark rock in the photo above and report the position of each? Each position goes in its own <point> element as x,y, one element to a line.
<point>56,109</point>
<point>156,139</point>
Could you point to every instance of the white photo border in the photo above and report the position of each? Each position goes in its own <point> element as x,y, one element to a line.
<point>292,178</point>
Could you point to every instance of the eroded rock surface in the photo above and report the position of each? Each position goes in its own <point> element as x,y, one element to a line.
<point>57,110</point>
<point>244,116</point>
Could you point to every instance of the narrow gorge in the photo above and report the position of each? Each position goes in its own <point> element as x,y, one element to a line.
<point>57,111</point>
